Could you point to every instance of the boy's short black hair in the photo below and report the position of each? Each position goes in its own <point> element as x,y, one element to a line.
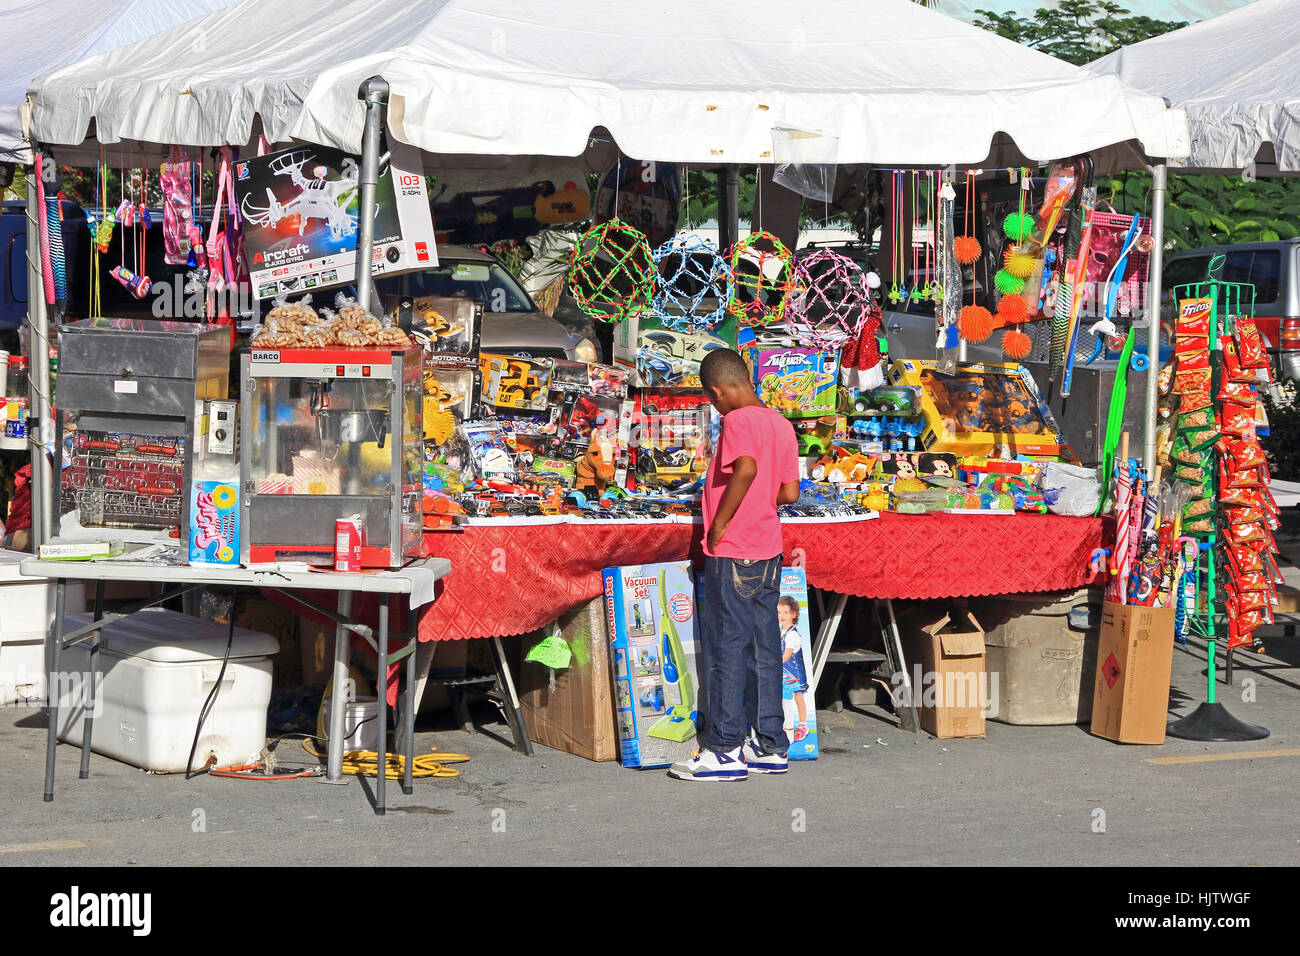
<point>724,367</point>
<point>791,603</point>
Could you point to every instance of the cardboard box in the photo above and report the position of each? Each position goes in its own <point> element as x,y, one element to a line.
<point>574,712</point>
<point>1135,656</point>
<point>948,675</point>
<point>797,382</point>
<point>645,606</point>
<point>658,356</point>
<point>798,704</point>
<point>980,409</point>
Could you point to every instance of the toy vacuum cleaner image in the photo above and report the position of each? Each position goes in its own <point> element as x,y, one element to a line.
<point>650,610</point>
<point>679,723</point>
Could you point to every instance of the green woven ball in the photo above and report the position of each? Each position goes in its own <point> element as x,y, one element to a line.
<point>1018,226</point>
<point>1007,284</point>
<point>612,271</point>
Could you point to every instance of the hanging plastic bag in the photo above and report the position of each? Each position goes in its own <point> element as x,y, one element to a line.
<point>1071,489</point>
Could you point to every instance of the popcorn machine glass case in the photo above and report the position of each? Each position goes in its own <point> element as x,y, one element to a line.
<point>329,433</point>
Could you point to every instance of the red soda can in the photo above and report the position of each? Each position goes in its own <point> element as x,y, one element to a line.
<point>348,537</point>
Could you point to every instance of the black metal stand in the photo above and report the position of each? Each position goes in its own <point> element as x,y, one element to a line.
<point>1212,723</point>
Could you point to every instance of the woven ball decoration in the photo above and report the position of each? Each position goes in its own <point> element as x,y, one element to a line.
<point>833,300</point>
<point>693,283</point>
<point>1007,284</point>
<point>1018,226</point>
<point>966,250</point>
<point>1016,344</point>
<point>1012,310</point>
<point>1019,264</point>
<point>763,275</point>
<point>975,323</point>
<point>611,271</point>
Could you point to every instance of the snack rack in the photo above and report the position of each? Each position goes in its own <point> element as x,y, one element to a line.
<point>1229,307</point>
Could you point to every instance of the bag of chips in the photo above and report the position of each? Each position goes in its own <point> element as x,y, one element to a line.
<point>1245,454</point>
<point>1250,347</point>
<point>1236,420</point>
<point>1237,392</point>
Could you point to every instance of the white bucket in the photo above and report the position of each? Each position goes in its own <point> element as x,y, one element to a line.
<point>360,724</point>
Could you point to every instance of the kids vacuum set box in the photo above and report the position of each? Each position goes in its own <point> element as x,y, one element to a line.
<point>796,665</point>
<point>650,614</point>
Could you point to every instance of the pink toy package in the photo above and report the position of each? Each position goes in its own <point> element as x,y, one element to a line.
<point>178,207</point>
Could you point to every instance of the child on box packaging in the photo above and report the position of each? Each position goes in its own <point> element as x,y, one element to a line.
<point>754,469</point>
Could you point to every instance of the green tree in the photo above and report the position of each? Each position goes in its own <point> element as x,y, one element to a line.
<point>1077,31</point>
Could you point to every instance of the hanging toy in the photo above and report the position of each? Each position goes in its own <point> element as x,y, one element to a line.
<point>975,323</point>
<point>691,274</point>
<point>833,302</point>
<point>1016,343</point>
<point>138,286</point>
<point>1019,263</point>
<point>764,279</point>
<point>1012,310</point>
<point>966,248</point>
<point>611,271</point>
<point>1018,226</point>
<point>1008,284</point>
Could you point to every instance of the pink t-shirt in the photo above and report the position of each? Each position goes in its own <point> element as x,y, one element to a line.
<point>757,432</point>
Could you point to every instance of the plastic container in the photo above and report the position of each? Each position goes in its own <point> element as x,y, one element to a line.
<point>158,668</point>
<point>26,614</point>
<point>1044,667</point>
<point>360,723</point>
<point>16,385</point>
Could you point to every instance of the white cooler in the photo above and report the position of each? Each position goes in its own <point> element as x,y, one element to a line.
<point>26,614</point>
<point>158,668</point>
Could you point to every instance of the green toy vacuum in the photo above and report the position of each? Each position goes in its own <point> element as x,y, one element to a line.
<point>679,723</point>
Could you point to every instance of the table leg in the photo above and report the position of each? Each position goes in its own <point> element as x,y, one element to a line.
<point>382,776</point>
<point>514,713</point>
<point>825,639</point>
<point>340,693</point>
<point>905,694</point>
<point>87,728</point>
<point>408,721</point>
<point>52,687</point>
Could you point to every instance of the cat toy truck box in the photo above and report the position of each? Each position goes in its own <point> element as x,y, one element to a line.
<point>651,617</point>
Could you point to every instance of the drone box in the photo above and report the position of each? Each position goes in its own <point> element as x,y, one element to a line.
<point>314,190</point>
<point>645,607</point>
<point>797,382</point>
<point>980,409</point>
<point>662,356</point>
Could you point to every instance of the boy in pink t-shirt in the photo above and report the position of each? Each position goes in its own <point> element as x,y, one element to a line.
<point>754,468</point>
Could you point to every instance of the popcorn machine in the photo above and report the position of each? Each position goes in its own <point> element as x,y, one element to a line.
<point>328,433</point>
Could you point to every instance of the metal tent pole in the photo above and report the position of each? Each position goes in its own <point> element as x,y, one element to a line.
<point>39,425</point>
<point>374,92</point>
<point>1159,177</point>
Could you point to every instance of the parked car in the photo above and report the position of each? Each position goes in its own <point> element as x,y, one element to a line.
<point>512,322</point>
<point>1273,268</point>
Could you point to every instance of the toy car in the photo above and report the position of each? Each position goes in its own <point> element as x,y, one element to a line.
<point>890,399</point>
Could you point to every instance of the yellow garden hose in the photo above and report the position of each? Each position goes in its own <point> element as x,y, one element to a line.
<point>366,762</point>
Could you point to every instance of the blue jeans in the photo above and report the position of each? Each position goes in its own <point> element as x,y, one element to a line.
<point>742,643</point>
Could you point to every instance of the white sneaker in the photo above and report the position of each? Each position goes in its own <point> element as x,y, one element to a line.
<point>760,762</point>
<point>712,766</point>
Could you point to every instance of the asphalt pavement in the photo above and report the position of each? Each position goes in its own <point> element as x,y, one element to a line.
<point>877,796</point>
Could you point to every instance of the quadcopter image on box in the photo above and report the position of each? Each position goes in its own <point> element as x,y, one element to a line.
<point>317,197</point>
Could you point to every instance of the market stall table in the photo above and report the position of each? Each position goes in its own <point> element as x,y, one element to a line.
<point>417,580</point>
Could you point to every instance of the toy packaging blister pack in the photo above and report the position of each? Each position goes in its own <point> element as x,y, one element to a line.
<point>669,434</point>
<point>449,327</point>
<point>797,382</point>
<point>664,357</point>
<point>980,409</point>
<point>651,617</point>
<point>515,384</point>
<point>488,450</point>
<point>796,665</point>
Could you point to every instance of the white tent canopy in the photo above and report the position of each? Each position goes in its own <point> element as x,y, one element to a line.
<point>886,82</point>
<point>1236,77</point>
<point>40,36</point>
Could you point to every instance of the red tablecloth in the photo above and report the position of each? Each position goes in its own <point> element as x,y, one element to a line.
<point>514,579</point>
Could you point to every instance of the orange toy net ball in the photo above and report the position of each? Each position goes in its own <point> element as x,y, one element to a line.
<point>975,323</point>
<point>966,249</point>
<point>1012,310</point>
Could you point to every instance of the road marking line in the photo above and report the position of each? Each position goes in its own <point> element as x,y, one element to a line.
<point>51,845</point>
<point>1210,758</point>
